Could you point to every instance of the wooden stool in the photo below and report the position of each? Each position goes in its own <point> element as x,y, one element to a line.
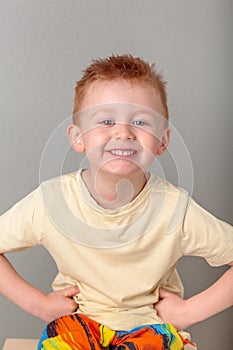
<point>20,344</point>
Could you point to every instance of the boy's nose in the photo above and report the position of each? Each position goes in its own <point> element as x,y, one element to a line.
<point>123,131</point>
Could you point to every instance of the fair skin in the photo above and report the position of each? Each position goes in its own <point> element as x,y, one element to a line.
<point>44,306</point>
<point>120,139</point>
<point>184,313</point>
<point>118,152</point>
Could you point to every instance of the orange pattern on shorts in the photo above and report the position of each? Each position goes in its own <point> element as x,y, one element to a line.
<point>77,332</point>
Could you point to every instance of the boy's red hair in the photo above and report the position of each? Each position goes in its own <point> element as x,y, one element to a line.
<point>124,67</point>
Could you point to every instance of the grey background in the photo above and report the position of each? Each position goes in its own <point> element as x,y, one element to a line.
<point>45,45</point>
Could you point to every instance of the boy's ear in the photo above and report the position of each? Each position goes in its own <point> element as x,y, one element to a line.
<point>164,142</point>
<point>75,137</point>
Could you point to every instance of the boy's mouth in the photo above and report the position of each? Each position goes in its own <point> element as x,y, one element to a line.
<point>122,153</point>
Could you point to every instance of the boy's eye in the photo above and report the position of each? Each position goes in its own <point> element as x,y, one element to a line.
<point>107,122</point>
<point>139,123</point>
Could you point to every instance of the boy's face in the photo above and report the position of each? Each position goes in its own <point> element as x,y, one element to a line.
<point>120,127</point>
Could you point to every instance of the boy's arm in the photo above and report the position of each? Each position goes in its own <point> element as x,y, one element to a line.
<point>184,313</point>
<point>32,300</point>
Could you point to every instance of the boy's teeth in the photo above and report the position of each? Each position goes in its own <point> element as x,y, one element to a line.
<point>121,153</point>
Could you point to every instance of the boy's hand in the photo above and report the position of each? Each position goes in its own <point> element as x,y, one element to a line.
<point>184,313</point>
<point>172,309</point>
<point>59,303</point>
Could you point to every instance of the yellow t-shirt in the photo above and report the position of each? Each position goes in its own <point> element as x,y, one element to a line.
<point>118,258</point>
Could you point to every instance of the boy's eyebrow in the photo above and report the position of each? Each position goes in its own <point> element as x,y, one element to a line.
<point>145,111</point>
<point>95,111</point>
<point>150,113</point>
<point>104,110</point>
<point>133,112</point>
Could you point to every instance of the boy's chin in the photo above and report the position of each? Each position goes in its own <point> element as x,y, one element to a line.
<point>121,169</point>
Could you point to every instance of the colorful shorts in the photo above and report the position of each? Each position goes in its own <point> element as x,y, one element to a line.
<point>78,332</point>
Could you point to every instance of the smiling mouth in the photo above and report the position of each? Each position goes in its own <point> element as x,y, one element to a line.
<point>122,153</point>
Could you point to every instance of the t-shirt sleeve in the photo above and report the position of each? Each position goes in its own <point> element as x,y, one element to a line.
<point>19,227</point>
<point>206,236</point>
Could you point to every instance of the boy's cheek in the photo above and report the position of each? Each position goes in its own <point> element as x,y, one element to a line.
<point>93,149</point>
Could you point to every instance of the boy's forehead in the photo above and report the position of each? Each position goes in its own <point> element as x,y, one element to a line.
<point>122,91</point>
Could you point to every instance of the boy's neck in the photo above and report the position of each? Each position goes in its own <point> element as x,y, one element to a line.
<point>112,192</point>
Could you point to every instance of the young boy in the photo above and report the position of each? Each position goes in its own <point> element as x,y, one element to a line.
<point>114,230</point>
